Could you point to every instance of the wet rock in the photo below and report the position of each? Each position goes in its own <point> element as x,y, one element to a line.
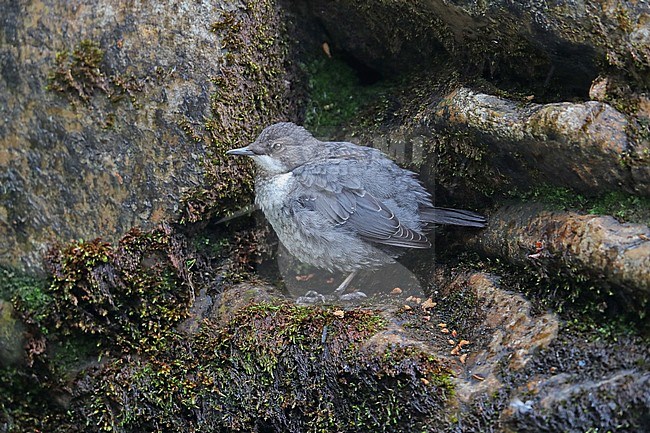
<point>529,372</point>
<point>473,144</point>
<point>580,146</point>
<point>617,402</point>
<point>511,334</point>
<point>560,45</point>
<point>612,253</point>
<point>12,339</point>
<point>103,110</point>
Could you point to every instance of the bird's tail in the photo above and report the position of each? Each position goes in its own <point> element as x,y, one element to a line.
<point>457,217</point>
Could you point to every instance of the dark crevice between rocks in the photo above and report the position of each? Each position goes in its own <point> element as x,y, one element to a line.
<point>366,75</point>
<point>395,41</point>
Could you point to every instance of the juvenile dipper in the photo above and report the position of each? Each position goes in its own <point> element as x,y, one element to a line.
<point>339,206</point>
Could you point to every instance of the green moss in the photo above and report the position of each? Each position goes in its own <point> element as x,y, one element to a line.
<point>623,206</point>
<point>127,295</point>
<point>272,367</point>
<point>27,293</point>
<point>250,92</point>
<point>335,95</point>
<point>559,197</point>
<point>27,405</point>
<point>82,73</point>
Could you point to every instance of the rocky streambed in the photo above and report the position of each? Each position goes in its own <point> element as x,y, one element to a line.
<point>181,315</point>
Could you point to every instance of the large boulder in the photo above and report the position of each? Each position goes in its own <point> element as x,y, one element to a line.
<point>112,114</point>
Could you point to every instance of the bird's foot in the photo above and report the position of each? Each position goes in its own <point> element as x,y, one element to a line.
<point>310,298</point>
<point>353,296</point>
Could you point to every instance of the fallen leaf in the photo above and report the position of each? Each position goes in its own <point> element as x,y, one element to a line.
<point>463,343</point>
<point>442,325</point>
<point>445,330</point>
<point>326,49</point>
<point>424,381</point>
<point>478,377</point>
<point>452,342</point>
<point>339,313</point>
<point>428,304</point>
<point>396,291</point>
<point>463,358</point>
<point>304,277</point>
<point>454,333</point>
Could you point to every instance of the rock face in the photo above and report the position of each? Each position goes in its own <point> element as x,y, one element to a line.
<point>612,254</point>
<point>618,401</point>
<point>100,104</point>
<point>558,44</point>
<point>11,336</point>
<point>492,102</point>
<point>581,146</point>
<point>475,145</point>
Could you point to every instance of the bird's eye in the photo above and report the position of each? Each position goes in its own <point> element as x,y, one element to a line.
<point>276,145</point>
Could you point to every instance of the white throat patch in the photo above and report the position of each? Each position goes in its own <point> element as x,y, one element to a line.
<point>269,164</point>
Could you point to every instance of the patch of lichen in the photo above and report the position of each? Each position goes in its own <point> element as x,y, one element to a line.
<point>271,367</point>
<point>129,295</point>
<point>82,73</point>
<point>253,89</point>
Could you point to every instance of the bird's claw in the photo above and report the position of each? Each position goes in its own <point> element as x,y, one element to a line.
<point>353,296</point>
<point>310,298</point>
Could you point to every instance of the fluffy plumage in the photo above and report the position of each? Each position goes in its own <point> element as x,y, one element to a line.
<point>340,206</point>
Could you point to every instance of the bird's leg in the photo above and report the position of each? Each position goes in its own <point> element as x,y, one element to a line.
<point>313,297</point>
<point>344,285</point>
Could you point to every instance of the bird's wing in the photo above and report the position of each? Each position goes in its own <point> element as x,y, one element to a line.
<point>336,196</point>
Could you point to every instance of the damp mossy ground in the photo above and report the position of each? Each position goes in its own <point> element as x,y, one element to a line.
<point>111,330</point>
<point>271,367</point>
<point>623,206</point>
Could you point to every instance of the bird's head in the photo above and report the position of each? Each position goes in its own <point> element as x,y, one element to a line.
<point>280,148</point>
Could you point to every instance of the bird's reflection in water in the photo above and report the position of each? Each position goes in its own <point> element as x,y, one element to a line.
<point>389,283</point>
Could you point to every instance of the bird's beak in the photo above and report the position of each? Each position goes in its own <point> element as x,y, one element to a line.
<point>245,151</point>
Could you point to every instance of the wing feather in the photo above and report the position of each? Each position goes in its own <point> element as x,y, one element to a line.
<point>339,198</point>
